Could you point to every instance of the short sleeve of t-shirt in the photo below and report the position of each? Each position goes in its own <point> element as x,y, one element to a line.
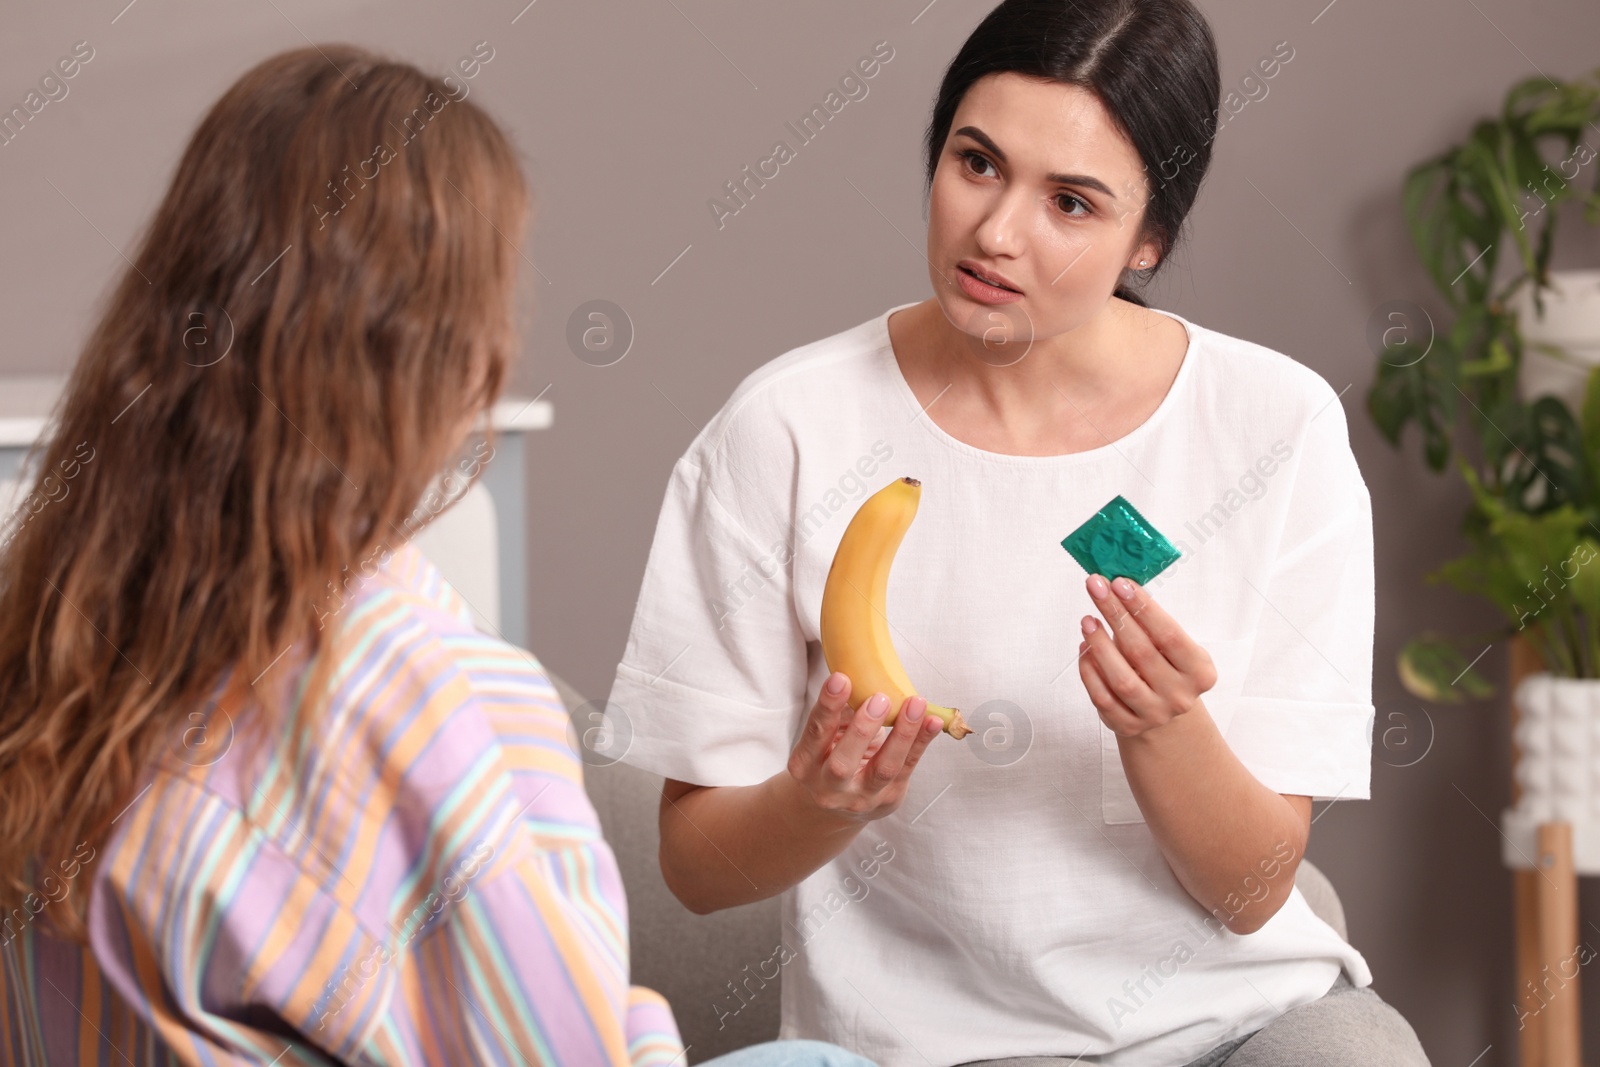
<point>712,680</point>
<point>1303,722</point>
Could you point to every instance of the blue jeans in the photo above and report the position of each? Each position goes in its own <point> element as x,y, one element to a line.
<point>798,1053</point>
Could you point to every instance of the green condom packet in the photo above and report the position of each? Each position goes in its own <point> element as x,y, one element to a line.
<point>1117,541</point>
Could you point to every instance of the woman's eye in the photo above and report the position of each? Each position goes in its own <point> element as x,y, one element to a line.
<point>973,159</point>
<point>1070,199</point>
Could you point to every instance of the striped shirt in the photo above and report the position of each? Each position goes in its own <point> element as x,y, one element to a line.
<point>428,885</point>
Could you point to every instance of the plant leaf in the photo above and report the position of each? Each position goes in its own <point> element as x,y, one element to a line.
<point>1433,668</point>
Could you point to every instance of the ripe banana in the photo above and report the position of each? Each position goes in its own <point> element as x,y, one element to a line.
<point>855,627</point>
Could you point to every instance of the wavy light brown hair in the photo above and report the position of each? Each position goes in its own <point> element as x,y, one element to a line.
<point>323,302</point>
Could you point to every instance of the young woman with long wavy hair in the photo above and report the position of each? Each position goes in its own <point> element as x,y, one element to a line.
<point>266,795</point>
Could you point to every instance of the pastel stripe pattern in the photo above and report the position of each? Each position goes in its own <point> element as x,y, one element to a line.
<point>428,884</point>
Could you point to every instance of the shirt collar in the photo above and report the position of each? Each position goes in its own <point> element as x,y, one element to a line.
<point>409,570</point>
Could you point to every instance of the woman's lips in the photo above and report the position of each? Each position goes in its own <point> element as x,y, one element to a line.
<point>983,291</point>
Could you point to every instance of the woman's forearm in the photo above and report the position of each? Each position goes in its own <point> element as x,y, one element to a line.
<point>1233,843</point>
<point>722,846</point>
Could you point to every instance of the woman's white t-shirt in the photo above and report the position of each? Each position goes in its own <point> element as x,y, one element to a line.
<point>1016,903</point>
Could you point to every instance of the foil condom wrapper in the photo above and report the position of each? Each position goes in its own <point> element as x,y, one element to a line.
<point>1117,541</point>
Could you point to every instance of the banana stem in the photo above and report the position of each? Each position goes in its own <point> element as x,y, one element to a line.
<point>954,724</point>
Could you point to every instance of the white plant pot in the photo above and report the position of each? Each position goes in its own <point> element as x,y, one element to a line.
<point>1557,769</point>
<point>1571,322</point>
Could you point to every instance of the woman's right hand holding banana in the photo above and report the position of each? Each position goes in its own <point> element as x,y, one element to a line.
<point>845,762</point>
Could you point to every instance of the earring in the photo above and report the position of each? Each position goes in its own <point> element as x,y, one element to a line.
<point>1141,263</point>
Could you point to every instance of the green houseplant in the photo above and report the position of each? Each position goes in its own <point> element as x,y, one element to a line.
<point>1482,217</point>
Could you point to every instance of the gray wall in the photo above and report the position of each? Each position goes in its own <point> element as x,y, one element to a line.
<point>632,115</point>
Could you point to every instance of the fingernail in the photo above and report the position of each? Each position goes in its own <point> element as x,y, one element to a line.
<point>1089,625</point>
<point>835,683</point>
<point>877,706</point>
<point>1123,587</point>
<point>1097,586</point>
<point>915,708</point>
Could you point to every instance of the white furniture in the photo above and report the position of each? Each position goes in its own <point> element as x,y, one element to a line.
<point>479,543</point>
<point>1557,769</point>
<point>464,543</point>
<point>1545,833</point>
<point>1571,325</point>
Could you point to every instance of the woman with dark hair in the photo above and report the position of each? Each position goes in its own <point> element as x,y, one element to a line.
<point>1104,870</point>
<point>266,795</point>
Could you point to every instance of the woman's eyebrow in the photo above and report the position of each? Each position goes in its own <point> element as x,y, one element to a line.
<point>1059,179</point>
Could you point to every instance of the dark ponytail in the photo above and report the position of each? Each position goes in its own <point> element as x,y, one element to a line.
<point>1153,65</point>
